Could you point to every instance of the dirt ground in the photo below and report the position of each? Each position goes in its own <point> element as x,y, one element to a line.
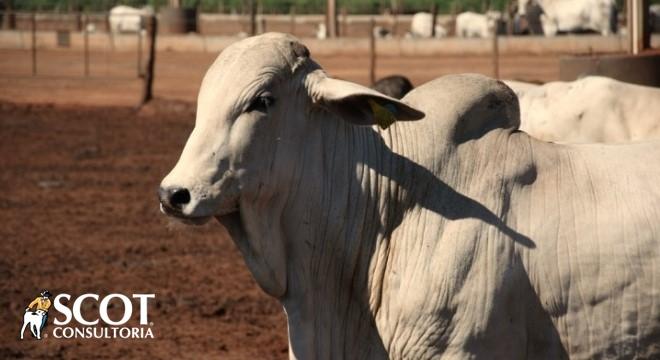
<point>79,213</point>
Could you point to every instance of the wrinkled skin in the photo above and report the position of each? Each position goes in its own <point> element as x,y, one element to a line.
<point>455,236</point>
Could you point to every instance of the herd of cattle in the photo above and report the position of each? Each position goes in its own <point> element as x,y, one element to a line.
<point>548,17</point>
<point>431,226</point>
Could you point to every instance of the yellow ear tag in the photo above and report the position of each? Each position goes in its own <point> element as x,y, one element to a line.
<point>383,116</point>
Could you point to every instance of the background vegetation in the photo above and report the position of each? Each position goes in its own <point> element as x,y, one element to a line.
<point>274,6</point>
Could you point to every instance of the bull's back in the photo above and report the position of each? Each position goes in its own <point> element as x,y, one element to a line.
<point>594,215</point>
<point>594,109</point>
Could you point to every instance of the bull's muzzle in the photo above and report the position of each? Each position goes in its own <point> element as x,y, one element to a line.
<point>172,202</point>
<point>173,199</point>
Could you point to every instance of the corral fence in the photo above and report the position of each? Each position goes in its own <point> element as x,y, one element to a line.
<point>88,46</point>
<point>72,39</point>
<point>88,40</point>
<point>79,34</point>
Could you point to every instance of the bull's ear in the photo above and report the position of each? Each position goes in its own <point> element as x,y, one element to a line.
<point>358,104</point>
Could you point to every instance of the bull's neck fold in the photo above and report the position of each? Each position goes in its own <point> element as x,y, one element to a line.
<point>360,182</point>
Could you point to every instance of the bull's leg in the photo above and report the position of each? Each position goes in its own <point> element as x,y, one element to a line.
<point>33,329</point>
<point>38,329</point>
<point>25,324</point>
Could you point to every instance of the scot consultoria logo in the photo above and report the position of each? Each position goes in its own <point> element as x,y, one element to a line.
<point>69,323</point>
<point>36,319</point>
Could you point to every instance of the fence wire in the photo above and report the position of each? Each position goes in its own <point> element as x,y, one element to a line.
<point>75,45</point>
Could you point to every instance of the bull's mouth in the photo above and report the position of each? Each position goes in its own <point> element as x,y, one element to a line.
<point>190,220</point>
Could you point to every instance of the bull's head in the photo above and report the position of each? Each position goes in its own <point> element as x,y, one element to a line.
<point>257,103</point>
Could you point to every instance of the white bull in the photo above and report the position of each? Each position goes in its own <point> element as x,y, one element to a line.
<point>455,236</point>
<point>421,25</point>
<point>592,109</point>
<point>126,19</point>
<point>470,24</point>
<point>654,17</point>
<point>574,15</point>
<point>33,321</point>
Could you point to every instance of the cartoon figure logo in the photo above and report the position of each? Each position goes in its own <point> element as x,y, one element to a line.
<point>37,319</point>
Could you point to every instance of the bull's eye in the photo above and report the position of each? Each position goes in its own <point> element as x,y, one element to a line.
<point>261,103</point>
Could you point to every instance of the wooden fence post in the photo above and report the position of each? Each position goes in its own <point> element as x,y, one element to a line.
<point>331,19</point>
<point>372,52</point>
<point>149,76</point>
<point>9,22</point>
<point>86,43</point>
<point>638,28</point>
<point>79,18</point>
<point>139,47</point>
<point>434,15</point>
<point>34,43</point>
<point>253,17</point>
<point>292,25</point>
<point>496,56</point>
<point>395,21</point>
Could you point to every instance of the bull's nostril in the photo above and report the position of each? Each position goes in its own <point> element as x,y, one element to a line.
<point>179,198</point>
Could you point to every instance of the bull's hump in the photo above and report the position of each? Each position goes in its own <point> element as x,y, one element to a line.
<point>467,105</point>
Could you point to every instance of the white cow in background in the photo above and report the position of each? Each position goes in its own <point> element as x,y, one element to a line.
<point>574,15</point>
<point>454,236</point>
<point>32,320</point>
<point>420,26</point>
<point>592,109</point>
<point>470,24</point>
<point>321,31</point>
<point>654,15</point>
<point>126,19</point>
<point>655,9</point>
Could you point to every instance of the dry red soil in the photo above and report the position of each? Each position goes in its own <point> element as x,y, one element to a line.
<point>80,215</point>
